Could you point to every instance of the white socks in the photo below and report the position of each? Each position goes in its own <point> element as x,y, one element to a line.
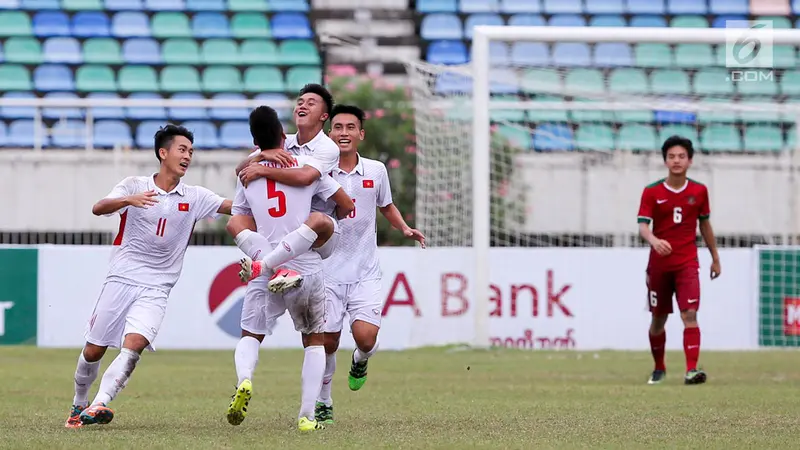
<point>327,380</point>
<point>293,245</point>
<point>85,374</point>
<point>246,358</point>
<point>252,244</point>
<point>359,356</point>
<point>116,376</point>
<point>313,371</point>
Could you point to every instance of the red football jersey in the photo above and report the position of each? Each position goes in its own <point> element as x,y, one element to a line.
<point>675,214</point>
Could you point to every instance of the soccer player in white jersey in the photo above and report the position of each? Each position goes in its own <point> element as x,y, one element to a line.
<point>279,210</point>
<point>157,216</point>
<point>352,273</point>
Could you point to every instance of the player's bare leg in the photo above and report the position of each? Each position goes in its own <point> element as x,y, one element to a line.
<point>312,375</point>
<point>366,336</point>
<point>324,408</point>
<point>245,358</point>
<point>115,379</point>
<point>658,341</point>
<point>85,374</point>
<point>691,347</point>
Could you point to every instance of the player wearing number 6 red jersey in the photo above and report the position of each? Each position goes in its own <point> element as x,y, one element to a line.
<point>675,205</point>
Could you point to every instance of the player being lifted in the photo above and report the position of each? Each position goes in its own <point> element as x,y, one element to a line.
<point>675,205</point>
<point>157,216</point>
<point>352,273</point>
<point>278,209</point>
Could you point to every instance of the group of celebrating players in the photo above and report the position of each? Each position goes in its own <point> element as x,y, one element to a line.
<point>304,215</point>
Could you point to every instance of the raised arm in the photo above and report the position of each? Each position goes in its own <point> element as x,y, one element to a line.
<point>122,196</point>
<point>296,177</point>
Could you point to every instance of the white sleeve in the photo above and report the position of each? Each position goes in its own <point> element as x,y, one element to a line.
<point>325,158</point>
<point>208,203</point>
<point>240,205</point>
<point>326,187</point>
<point>384,196</point>
<point>255,152</point>
<point>124,188</point>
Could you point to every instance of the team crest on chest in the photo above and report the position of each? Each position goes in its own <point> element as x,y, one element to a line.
<point>691,200</point>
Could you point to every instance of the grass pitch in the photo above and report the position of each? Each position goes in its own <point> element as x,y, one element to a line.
<point>431,398</point>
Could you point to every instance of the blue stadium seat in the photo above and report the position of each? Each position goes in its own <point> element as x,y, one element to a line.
<point>567,20</point>
<point>571,54</point>
<point>291,26</point>
<point>796,7</point>
<point>205,134</point>
<point>21,134</point>
<point>164,5</point>
<point>520,6</point>
<point>141,51</point>
<point>110,133</point>
<point>41,4</point>
<point>53,77</point>
<point>607,21</point>
<point>145,112</point>
<point>284,112</point>
<point>210,25</point>
<point>130,24</point>
<point>530,54</point>
<point>145,132</point>
<point>479,6</point>
<point>62,50</point>
<point>605,6</point>
<point>51,23</point>
<point>548,137</point>
<point>3,131</point>
<point>205,5</point>
<point>62,113</point>
<point>69,134</point>
<point>645,6</point>
<point>106,112</point>
<point>686,7</point>
<point>729,6</point>
<point>235,134</point>
<point>188,113</point>
<point>503,81</point>
<point>526,20</point>
<point>563,6</point>
<point>452,83</point>
<point>648,21</point>
<point>9,4</point>
<point>719,21</point>
<point>447,52</point>
<point>480,19</point>
<point>229,113</point>
<point>498,53</point>
<point>18,112</point>
<point>90,24</point>
<point>124,5</point>
<point>441,26</point>
<point>288,5</point>
<point>432,6</point>
<point>612,54</point>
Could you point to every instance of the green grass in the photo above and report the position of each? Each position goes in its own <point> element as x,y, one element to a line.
<point>432,398</point>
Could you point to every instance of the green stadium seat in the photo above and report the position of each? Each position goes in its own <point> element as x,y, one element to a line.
<point>15,23</point>
<point>687,131</point>
<point>778,22</point>
<point>102,51</point>
<point>517,137</point>
<point>263,79</point>
<point>297,77</point>
<point>584,80</point>
<point>248,5</point>
<point>633,116</point>
<point>720,113</point>
<point>583,115</point>
<point>712,82</point>
<point>299,52</point>
<point>759,86</point>
<point>628,81</point>
<point>669,82</point>
<point>653,55</point>
<point>245,25</point>
<point>595,137</point>
<point>460,111</point>
<point>82,5</point>
<point>784,57</point>
<point>720,138</point>
<point>137,79</point>
<point>92,78</point>
<point>259,51</point>
<point>758,138</point>
<point>180,79</point>
<point>14,78</point>
<point>180,51</point>
<point>694,55</point>
<point>637,137</point>
<point>547,115</point>
<point>689,22</point>
<point>23,50</point>
<point>769,115</point>
<point>507,115</point>
<point>790,82</point>
<point>171,24</point>
<point>220,51</point>
<point>222,79</point>
<point>536,81</point>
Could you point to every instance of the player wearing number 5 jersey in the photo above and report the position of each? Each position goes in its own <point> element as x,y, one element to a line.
<point>674,206</point>
<point>157,216</point>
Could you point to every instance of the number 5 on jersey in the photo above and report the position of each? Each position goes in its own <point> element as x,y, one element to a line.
<point>273,192</point>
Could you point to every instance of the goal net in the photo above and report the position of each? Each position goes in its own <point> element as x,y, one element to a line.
<point>549,135</point>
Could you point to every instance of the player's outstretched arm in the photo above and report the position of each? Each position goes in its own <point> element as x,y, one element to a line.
<point>344,204</point>
<point>296,177</point>
<point>394,217</point>
<point>225,207</point>
<point>707,231</point>
<point>108,206</point>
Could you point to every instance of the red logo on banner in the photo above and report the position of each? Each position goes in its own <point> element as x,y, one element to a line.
<point>183,207</point>
<point>791,316</point>
<point>369,184</point>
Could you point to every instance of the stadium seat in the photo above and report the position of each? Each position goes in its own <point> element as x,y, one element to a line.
<point>517,137</point>
<point>130,24</point>
<point>628,81</point>
<point>758,86</point>
<point>778,22</point>
<point>225,113</point>
<point>68,134</point>
<point>720,138</point>
<point>210,25</point>
<point>720,112</point>
<point>284,112</point>
<point>584,81</point>
<point>194,113</point>
<point>535,81</point>
<point>82,5</point>
<point>562,6</point>
<point>3,134</point>
<point>480,19</point>
<point>549,137</point>
<point>605,6</point>
<point>648,21</point>
<point>790,83</point>
<point>145,132</point>
<point>250,25</point>
<point>220,51</point>
<point>248,5</point>
<point>571,54</point>
<point>498,54</point>
<point>288,5</point>
<point>526,20</point>
<point>34,5</point>
<point>433,6</point>
<point>645,6</point>
<point>758,138</point>
<point>507,115</point>
<point>688,131</point>
<point>102,50</point>
<point>23,50</point>
<point>479,6</point>
<point>235,134</point>
<point>440,26</point>
<point>447,52</point>
<point>769,115</point>
<point>62,50</point>
<point>291,26</point>
<point>137,79</point>
<point>111,133</point>
<point>181,51</point>
<point>123,5</point>
<point>263,79</point>
<point>669,82</point>
<point>141,51</point>
<point>180,79</point>
<point>530,54</point>
<point>164,5</point>
<point>297,77</point>
<point>90,78</point>
<point>694,55</point>
<point>105,112</point>
<point>53,77</point>
<point>9,4</point>
<point>222,79</point>
<point>205,5</point>
<point>91,24</point>
<point>503,81</point>
<point>259,51</point>
<point>653,55</point>
<point>299,52</point>
<point>62,113</point>
<point>634,116</point>
<point>17,112</point>
<point>449,83</point>
<point>51,23</point>
<point>21,133</point>
<point>14,77</point>
<point>784,57</point>
<point>145,112</point>
<point>567,20</point>
<point>584,115</point>
<point>520,6</point>
<point>594,137</point>
<point>689,21</point>
<point>637,137</point>
<point>729,6</point>
<point>205,134</point>
<point>722,21</point>
<point>538,114</point>
<point>607,21</point>
<point>712,82</point>
<point>171,24</point>
<point>612,54</point>
<point>686,7</point>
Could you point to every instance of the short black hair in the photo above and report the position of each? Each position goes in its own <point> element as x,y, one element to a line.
<point>164,136</point>
<point>314,88</point>
<point>672,141</point>
<point>349,109</point>
<point>266,128</point>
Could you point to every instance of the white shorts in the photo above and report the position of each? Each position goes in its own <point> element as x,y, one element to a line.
<point>306,305</point>
<point>123,309</point>
<point>326,249</point>
<point>362,301</point>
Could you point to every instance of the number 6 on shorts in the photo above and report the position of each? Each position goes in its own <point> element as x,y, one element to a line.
<point>653,299</point>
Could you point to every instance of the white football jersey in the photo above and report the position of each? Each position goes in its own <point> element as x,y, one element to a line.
<point>279,209</point>
<point>152,241</point>
<point>355,258</point>
<point>324,157</point>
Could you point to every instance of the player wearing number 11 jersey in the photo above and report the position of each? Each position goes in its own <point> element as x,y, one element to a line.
<point>675,205</point>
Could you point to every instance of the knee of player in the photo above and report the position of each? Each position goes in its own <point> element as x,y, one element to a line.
<point>320,223</point>
<point>92,353</point>
<point>689,317</point>
<point>365,341</point>
<point>331,343</point>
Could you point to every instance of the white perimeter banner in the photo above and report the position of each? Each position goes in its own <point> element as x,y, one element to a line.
<point>554,298</point>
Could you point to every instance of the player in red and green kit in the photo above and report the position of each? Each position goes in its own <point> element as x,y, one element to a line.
<point>674,205</point>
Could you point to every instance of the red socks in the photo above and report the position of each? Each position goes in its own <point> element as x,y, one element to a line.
<point>691,346</point>
<point>657,344</point>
